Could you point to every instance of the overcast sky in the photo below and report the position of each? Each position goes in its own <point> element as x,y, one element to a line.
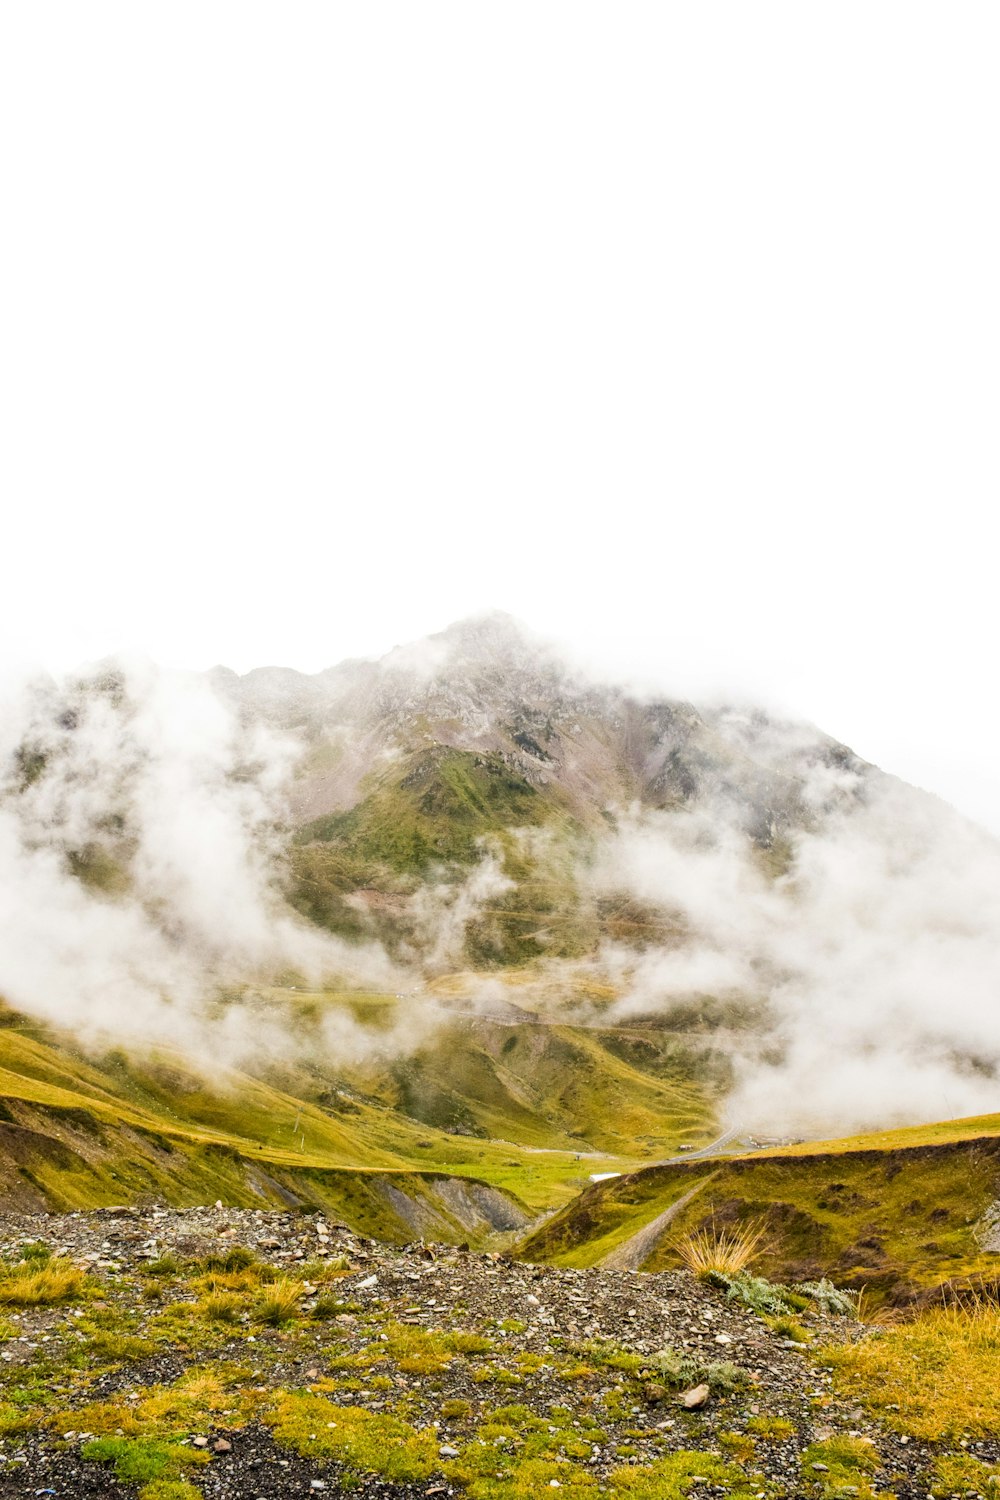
<point>672,329</point>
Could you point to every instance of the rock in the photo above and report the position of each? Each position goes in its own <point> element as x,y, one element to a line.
<point>222,1445</point>
<point>447,1452</point>
<point>655,1393</point>
<point>199,1442</point>
<point>820,1468</point>
<point>695,1398</point>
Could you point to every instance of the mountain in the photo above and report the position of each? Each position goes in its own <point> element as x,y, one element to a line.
<point>434,940</point>
<point>480,742</point>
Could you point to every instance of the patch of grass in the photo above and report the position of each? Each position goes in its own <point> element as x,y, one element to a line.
<point>222,1307</point>
<point>364,1442</point>
<point>164,1267</point>
<point>609,1355</point>
<point>320,1272</point>
<point>787,1328</point>
<point>846,1465</point>
<point>333,1307</point>
<point>720,1252</point>
<point>672,1478</point>
<point>238,1258</point>
<point>54,1281</point>
<point>456,1411</point>
<point>138,1460</point>
<point>37,1253</point>
<point>739,1446</point>
<point>169,1489</point>
<point>515,1453</point>
<point>934,1377</point>
<point>771,1429</point>
<point>961,1473</point>
<point>280,1303</point>
<point>118,1346</point>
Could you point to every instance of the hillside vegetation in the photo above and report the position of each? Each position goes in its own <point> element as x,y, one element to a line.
<point>522,1111</point>
<point>897,1219</point>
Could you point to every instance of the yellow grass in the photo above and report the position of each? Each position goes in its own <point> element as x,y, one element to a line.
<point>934,1377</point>
<point>59,1281</point>
<point>723,1252</point>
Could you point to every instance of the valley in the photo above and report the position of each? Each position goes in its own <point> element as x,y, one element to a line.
<point>461,973</point>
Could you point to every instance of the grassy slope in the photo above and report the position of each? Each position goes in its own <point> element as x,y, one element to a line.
<point>430,814</point>
<point>896,1212</point>
<point>531,1110</point>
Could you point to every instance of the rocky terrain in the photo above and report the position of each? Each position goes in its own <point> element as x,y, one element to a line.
<point>255,1355</point>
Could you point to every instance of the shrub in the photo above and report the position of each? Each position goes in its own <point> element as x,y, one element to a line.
<point>829,1298</point>
<point>683,1369</point>
<point>762,1296</point>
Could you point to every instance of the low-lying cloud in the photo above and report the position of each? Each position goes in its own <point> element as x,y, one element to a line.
<point>876,955</point>
<point>140,841</point>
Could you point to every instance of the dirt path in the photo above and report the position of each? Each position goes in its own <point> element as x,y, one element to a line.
<point>630,1255</point>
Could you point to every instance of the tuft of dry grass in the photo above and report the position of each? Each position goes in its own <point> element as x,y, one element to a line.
<point>280,1303</point>
<point>58,1281</point>
<point>721,1252</point>
<point>222,1307</point>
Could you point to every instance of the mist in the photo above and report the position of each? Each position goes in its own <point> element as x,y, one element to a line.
<point>875,955</point>
<point>141,831</point>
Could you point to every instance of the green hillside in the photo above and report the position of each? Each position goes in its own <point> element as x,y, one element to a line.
<point>898,1217</point>
<point>524,1109</point>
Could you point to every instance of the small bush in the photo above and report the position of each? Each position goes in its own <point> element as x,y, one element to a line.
<point>682,1370</point>
<point>829,1298</point>
<point>763,1297</point>
<point>723,1252</point>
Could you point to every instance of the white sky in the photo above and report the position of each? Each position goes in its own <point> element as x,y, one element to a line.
<point>670,328</point>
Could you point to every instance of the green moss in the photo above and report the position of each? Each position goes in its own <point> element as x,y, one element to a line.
<point>844,1462</point>
<point>365,1442</point>
<point>137,1460</point>
<point>672,1478</point>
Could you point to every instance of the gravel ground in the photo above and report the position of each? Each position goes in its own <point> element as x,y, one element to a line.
<point>548,1311</point>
